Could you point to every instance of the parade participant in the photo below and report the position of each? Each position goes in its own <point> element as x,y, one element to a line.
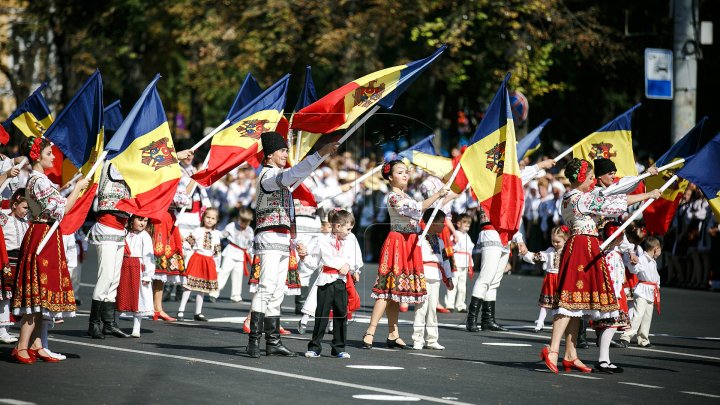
<point>237,255</point>
<point>550,260</point>
<point>455,298</point>
<point>134,294</point>
<point>310,259</point>
<point>436,268</point>
<point>10,173</point>
<point>340,258</point>
<point>494,259</point>
<point>42,283</point>
<point>108,236</point>
<point>605,329</point>
<point>189,220</point>
<point>646,294</point>
<point>201,274</point>
<point>14,227</point>
<point>587,292</point>
<point>274,229</point>
<point>307,232</point>
<point>400,274</point>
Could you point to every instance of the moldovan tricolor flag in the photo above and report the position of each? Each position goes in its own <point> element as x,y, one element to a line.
<point>490,166</point>
<point>240,141</point>
<point>142,150</point>
<point>660,213</point>
<point>33,118</point>
<point>340,108</point>
<point>702,169</point>
<point>613,141</point>
<point>423,155</point>
<point>304,140</point>
<point>531,142</point>
<point>78,132</point>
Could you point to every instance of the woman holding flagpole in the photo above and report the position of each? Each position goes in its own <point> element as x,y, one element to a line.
<point>401,275</point>
<point>43,288</point>
<point>584,284</point>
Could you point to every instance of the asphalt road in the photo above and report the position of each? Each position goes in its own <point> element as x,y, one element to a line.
<point>205,362</point>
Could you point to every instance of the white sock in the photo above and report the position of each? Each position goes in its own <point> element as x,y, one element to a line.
<point>44,327</point>
<point>198,303</point>
<point>136,324</point>
<point>305,318</point>
<point>541,316</point>
<point>184,300</point>
<point>3,331</point>
<point>605,338</point>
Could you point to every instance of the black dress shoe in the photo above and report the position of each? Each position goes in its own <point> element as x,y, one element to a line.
<point>603,367</point>
<point>615,368</point>
<point>200,317</point>
<point>392,344</point>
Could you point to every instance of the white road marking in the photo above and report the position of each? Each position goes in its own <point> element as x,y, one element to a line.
<point>376,397</point>
<point>371,367</point>
<point>702,394</point>
<point>241,319</point>
<point>11,401</point>
<point>581,376</point>
<point>640,385</point>
<point>507,344</point>
<point>427,355</point>
<point>343,384</point>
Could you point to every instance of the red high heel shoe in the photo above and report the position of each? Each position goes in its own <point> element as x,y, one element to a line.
<point>246,325</point>
<point>162,315</point>
<point>284,331</point>
<point>22,360</point>
<point>38,355</point>
<point>545,356</point>
<point>569,365</point>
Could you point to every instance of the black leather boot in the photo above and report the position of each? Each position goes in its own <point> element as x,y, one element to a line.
<point>472,315</point>
<point>582,335</point>
<point>273,345</point>
<point>95,325</point>
<point>487,321</point>
<point>108,317</point>
<point>300,299</point>
<point>256,328</point>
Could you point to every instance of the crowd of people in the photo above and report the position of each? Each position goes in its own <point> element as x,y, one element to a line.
<point>310,246</point>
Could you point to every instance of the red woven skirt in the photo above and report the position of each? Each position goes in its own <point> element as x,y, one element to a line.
<point>548,289</point>
<point>128,292</point>
<point>584,283</point>
<point>42,282</point>
<point>401,277</point>
<point>201,274</point>
<point>167,246</point>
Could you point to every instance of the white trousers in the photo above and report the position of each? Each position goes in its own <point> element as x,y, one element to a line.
<point>455,298</point>
<point>641,320</point>
<point>234,270</point>
<point>492,267</point>
<point>110,259</point>
<point>75,273</point>
<point>271,286</point>
<point>425,325</point>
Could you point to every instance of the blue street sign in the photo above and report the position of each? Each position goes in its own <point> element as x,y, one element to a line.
<point>658,73</point>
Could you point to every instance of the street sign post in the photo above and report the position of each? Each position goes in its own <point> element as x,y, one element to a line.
<point>658,73</point>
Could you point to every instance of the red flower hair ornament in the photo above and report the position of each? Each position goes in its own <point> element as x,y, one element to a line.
<point>35,149</point>
<point>386,169</point>
<point>582,173</point>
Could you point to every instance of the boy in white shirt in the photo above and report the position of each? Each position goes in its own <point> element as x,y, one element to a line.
<point>646,294</point>
<point>340,258</point>
<point>455,298</point>
<point>237,255</point>
<point>437,268</point>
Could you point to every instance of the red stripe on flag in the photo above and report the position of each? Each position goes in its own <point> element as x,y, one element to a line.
<point>4,136</point>
<point>659,215</point>
<point>152,203</point>
<point>504,208</point>
<point>326,114</point>
<point>54,173</point>
<point>303,194</point>
<point>223,159</point>
<point>73,220</point>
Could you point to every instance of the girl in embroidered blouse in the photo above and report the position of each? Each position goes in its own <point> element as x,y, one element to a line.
<point>401,278</point>
<point>201,275</point>
<point>584,284</point>
<point>42,288</point>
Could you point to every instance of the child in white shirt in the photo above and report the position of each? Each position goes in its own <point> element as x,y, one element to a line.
<point>237,255</point>
<point>463,246</point>
<point>340,257</point>
<point>135,288</point>
<point>437,268</point>
<point>646,294</point>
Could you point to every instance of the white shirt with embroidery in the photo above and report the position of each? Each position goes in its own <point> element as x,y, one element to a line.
<point>141,246</point>
<point>242,238</point>
<point>646,270</point>
<point>462,249</point>
<point>405,213</point>
<point>581,210</point>
<point>205,242</point>
<point>616,268</point>
<point>434,258</point>
<point>14,229</point>
<point>336,253</point>
<point>44,201</point>
<point>549,258</point>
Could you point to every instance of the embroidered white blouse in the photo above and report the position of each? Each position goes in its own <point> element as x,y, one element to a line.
<point>241,238</point>
<point>336,253</point>
<point>205,242</point>
<point>462,248</point>
<point>44,201</point>
<point>141,245</point>
<point>405,213</point>
<point>550,259</point>
<point>14,229</point>
<point>616,268</point>
<point>581,210</point>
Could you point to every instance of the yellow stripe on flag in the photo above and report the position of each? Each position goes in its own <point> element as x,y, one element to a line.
<point>246,133</point>
<point>371,88</point>
<point>149,160</point>
<point>29,125</point>
<point>613,145</point>
<point>492,158</point>
<point>438,166</point>
<point>307,141</point>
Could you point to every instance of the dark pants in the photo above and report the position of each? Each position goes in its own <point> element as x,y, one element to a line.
<point>330,297</point>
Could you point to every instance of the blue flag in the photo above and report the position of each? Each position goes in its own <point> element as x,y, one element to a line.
<point>76,129</point>
<point>424,146</point>
<point>686,146</point>
<point>307,95</point>
<point>113,117</point>
<point>249,90</point>
<point>531,142</point>
<point>702,169</point>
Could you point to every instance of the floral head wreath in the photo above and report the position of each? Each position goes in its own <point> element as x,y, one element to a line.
<point>35,148</point>
<point>580,175</point>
